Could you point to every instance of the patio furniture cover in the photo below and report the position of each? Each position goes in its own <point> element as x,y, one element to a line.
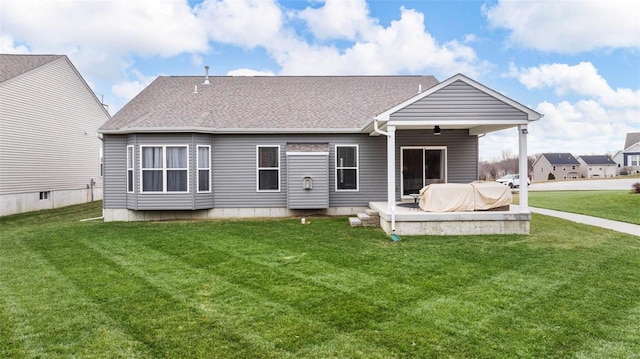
<point>461,197</point>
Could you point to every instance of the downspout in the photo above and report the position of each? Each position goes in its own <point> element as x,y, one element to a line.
<point>391,202</point>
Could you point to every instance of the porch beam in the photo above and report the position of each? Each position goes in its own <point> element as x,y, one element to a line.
<point>523,166</point>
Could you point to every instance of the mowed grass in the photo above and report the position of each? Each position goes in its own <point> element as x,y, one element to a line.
<point>280,289</point>
<point>621,206</point>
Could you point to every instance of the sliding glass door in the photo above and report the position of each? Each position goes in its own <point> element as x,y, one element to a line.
<point>422,166</point>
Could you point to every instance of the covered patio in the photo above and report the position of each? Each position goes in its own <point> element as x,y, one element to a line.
<point>456,104</point>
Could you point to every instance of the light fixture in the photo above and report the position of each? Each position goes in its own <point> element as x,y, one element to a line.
<point>436,131</point>
<point>525,131</point>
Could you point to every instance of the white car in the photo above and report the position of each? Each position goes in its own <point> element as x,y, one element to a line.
<point>512,180</point>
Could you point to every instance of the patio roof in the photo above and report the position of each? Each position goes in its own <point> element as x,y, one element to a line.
<point>456,103</point>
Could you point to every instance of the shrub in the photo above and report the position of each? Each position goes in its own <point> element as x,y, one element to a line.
<point>636,187</point>
<point>551,176</point>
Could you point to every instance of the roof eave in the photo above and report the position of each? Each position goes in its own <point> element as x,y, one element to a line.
<point>254,131</point>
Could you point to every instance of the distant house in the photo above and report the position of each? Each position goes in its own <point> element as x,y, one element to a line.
<point>194,147</point>
<point>631,153</point>
<point>49,150</point>
<point>618,158</point>
<point>561,165</point>
<point>597,166</point>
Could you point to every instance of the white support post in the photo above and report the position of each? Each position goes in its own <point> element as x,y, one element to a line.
<point>391,175</point>
<point>523,167</point>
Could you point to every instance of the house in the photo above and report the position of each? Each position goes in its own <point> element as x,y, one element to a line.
<point>597,166</point>
<point>49,150</point>
<point>216,147</point>
<point>618,158</point>
<point>631,153</point>
<point>555,166</point>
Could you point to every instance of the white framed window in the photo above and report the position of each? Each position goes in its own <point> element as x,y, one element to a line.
<point>634,160</point>
<point>347,171</point>
<point>204,168</point>
<point>164,169</point>
<point>268,168</point>
<point>130,166</point>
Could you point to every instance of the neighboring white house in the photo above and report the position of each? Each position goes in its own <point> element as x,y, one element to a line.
<point>50,155</point>
<point>618,158</point>
<point>597,166</point>
<point>631,153</point>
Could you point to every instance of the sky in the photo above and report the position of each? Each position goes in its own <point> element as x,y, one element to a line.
<point>577,62</point>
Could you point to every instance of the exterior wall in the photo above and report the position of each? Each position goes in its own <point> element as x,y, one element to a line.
<point>627,154</point>
<point>541,169</point>
<point>234,169</point>
<point>314,165</point>
<point>27,202</point>
<point>48,124</point>
<point>458,101</point>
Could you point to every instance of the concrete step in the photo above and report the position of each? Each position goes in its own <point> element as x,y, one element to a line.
<point>372,212</point>
<point>355,222</point>
<point>364,217</point>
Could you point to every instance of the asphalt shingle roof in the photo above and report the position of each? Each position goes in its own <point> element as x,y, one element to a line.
<point>597,160</point>
<point>632,139</point>
<point>561,158</point>
<point>14,65</point>
<point>265,102</point>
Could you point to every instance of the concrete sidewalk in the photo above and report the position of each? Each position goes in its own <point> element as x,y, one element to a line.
<point>628,228</point>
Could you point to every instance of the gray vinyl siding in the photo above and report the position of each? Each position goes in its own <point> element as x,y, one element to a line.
<point>48,124</point>
<point>314,166</point>
<point>458,101</point>
<point>115,171</point>
<point>234,171</point>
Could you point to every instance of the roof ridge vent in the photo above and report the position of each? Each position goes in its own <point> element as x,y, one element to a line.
<point>206,75</point>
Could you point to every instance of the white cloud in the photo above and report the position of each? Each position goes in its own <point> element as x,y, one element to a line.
<point>246,23</point>
<point>8,46</point>
<point>568,26</point>
<point>249,72</point>
<point>404,46</point>
<point>339,19</point>
<point>129,89</point>
<point>146,27</point>
<point>581,79</point>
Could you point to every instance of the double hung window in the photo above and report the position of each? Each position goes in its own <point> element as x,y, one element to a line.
<point>346,168</point>
<point>268,168</point>
<point>164,168</point>
<point>204,168</point>
<point>130,157</point>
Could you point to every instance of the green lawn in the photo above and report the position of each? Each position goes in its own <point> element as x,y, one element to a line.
<point>280,289</point>
<point>621,206</point>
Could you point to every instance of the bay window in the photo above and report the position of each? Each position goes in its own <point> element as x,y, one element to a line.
<point>164,168</point>
<point>204,168</point>
<point>130,157</point>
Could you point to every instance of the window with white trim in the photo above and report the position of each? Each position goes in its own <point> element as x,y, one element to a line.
<point>204,168</point>
<point>268,168</point>
<point>164,168</point>
<point>130,178</point>
<point>634,160</point>
<point>346,167</point>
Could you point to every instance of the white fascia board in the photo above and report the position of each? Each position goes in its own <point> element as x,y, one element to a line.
<point>230,130</point>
